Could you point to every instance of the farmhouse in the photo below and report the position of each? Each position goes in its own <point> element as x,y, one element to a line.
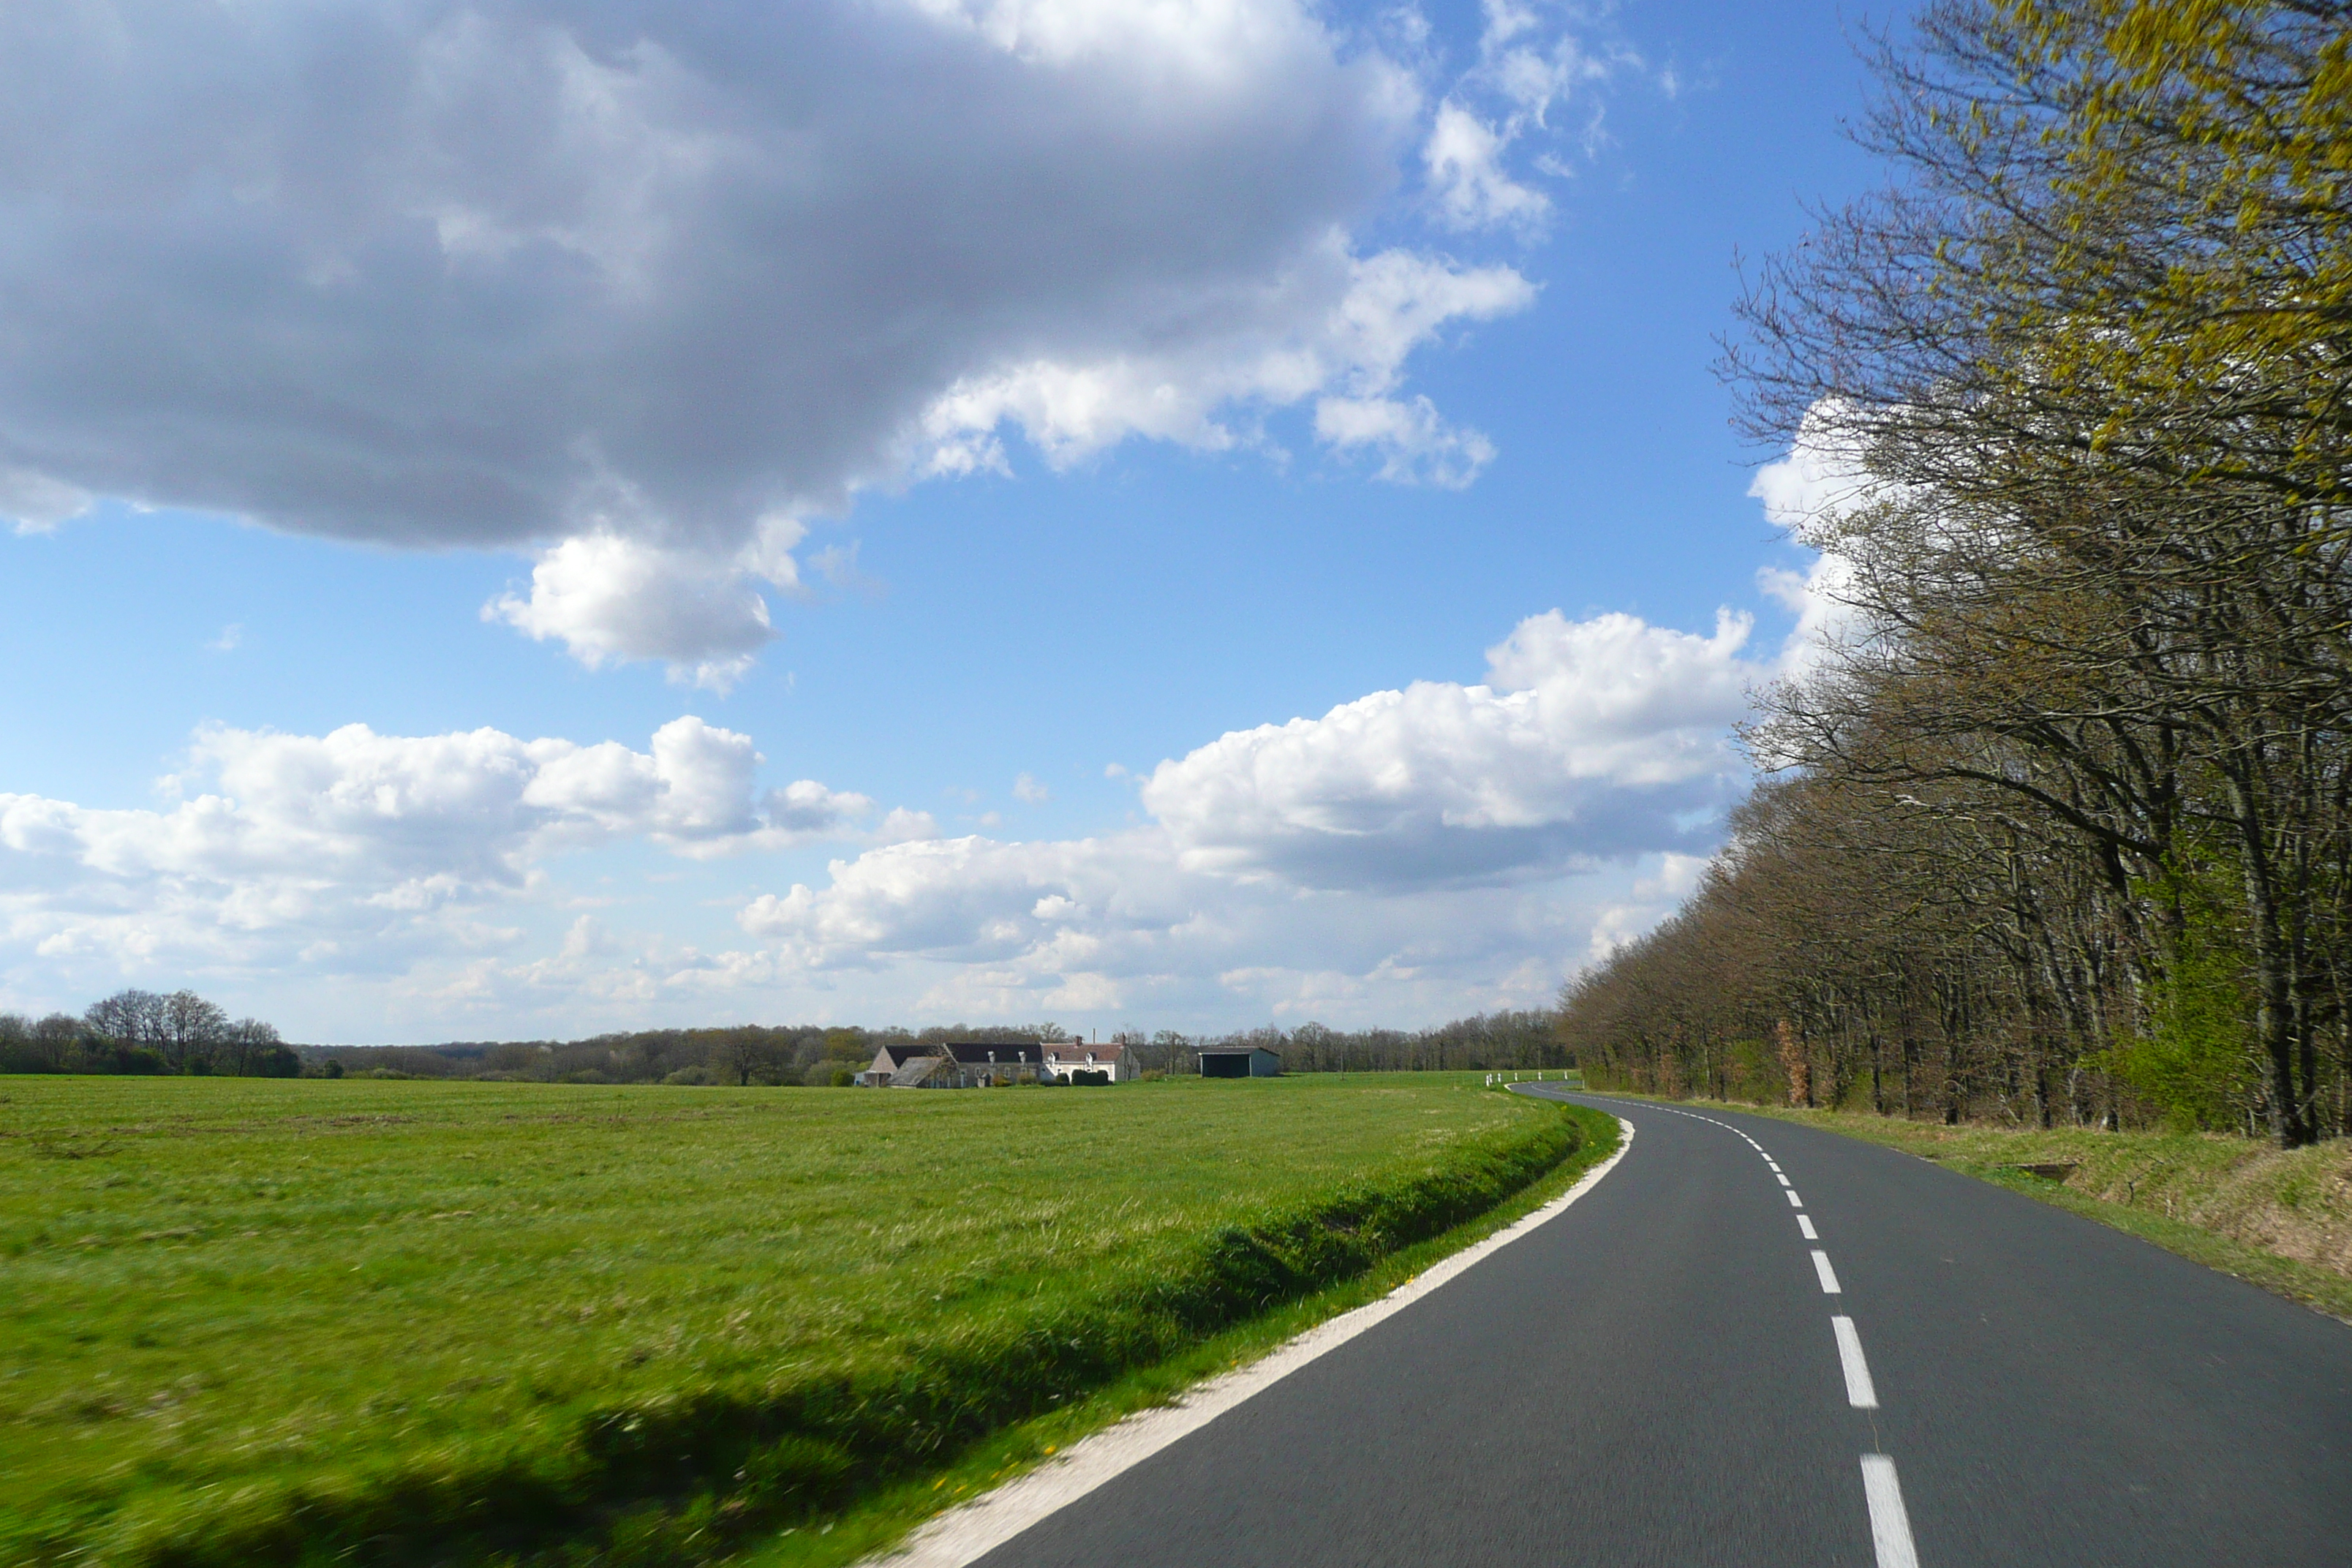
<point>1076,1057</point>
<point>977,1064</point>
<point>1239,1061</point>
<point>962,1064</point>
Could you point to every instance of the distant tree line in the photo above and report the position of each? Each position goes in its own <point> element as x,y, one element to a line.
<point>2060,828</point>
<point>145,1032</point>
<point>1503,1039</point>
<point>745,1054</point>
<point>827,1055</point>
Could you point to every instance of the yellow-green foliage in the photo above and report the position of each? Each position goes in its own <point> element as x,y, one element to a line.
<point>255,1320</point>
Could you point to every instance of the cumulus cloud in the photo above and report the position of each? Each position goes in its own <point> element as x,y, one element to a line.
<point>1654,896</point>
<point>1413,853</point>
<point>1402,840</point>
<point>619,284</point>
<point>1589,740</point>
<point>1809,494</point>
<point>610,597</point>
<point>354,847</point>
<point>1821,481</point>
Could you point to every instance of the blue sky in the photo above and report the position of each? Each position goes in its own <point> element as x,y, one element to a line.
<point>1159,438</point>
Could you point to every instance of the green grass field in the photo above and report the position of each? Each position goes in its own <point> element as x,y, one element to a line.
<point>308,1320</point>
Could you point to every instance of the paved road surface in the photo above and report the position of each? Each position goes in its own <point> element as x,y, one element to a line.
<point>1655,1376</point>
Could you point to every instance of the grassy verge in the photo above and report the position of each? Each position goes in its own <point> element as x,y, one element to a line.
<point>2280,1219</point>
<point>256,1322</point>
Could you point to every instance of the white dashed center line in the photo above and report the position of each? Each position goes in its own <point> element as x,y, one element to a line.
<point>1890,1527</point>
<point>1860,1391</point>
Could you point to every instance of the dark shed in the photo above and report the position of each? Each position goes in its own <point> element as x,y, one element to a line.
<point>1239,1061</point>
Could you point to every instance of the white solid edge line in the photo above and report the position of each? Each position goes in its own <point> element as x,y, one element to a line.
<point>1794,1201</point>
<point>969,1532</point>
<point>1860,1391</point>
<point>1890,1526</point>
<point>1805,1228</point>
<point>1829,1276</point>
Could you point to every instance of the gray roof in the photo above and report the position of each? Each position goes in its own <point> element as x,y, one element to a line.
<point>917,1071</point>
<point>1005,1053</point>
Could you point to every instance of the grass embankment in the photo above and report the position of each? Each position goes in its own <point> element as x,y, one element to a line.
<point>391,1322</point>
<point>2278,1218</point>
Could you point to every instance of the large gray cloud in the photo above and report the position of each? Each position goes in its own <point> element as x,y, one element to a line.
<point>517,271</point>
<point>458,273</point>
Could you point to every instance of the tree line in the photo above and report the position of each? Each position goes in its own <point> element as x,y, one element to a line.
<point>831,1054</point>
<point>137,1031</point>
<point>143,1032</point>
<point>2057,823</point>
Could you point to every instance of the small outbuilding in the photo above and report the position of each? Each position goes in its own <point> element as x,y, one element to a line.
<point>1239,1061</point>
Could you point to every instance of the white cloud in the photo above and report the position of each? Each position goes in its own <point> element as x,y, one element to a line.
<point>1809,494</point>
<point>1410,855</point>
<point>1654,897</point>
<point>612,285</point>
<point>1413,442</point>
<point>1403,844</point>
<point>1526,69</point>
<point>1463,158</point>
<point>610,597</point>
<point>1026,788</point>
<point>903,825</point>
<point>358,849</point>
<point>1590,740</point>
<point>1333,327</point>
<point>1821,481</point>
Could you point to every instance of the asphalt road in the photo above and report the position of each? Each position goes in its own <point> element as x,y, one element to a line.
<point>1654,1376</point>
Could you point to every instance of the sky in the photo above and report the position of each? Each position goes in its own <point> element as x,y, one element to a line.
<point>528,519</point>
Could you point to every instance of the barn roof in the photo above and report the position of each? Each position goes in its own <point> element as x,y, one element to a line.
<point>1007,1052</point>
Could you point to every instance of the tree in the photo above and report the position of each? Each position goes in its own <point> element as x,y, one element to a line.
<point>2084,365</point>
<point>193,1030</point>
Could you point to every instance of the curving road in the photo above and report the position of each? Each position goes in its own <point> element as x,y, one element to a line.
<point>1755,1344</point>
